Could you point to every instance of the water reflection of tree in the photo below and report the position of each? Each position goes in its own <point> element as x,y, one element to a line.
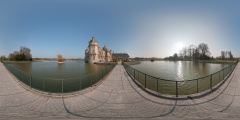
<point>200,69</point>
<point>25,66</point>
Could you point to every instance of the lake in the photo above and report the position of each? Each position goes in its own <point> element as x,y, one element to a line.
<point>178,70</point>
<point>53,77</point>
<point>178,77</point>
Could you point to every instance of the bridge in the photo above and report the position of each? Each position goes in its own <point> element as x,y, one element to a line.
<point>116,97</point>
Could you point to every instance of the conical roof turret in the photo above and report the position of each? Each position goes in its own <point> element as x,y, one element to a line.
<point>93,41</point>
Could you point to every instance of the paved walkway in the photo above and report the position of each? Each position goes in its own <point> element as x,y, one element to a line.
<point>117,97</point>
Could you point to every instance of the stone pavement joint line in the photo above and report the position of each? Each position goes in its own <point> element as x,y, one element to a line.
<point>117,97</point>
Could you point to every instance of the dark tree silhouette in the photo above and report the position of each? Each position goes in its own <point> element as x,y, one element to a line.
<point>24,54</point>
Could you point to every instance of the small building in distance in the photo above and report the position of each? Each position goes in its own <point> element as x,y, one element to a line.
<point>124,57</point>
<point>95,54</point>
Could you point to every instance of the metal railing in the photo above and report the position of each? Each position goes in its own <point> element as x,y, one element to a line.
<point>58,85</point>
<point>174,88</point>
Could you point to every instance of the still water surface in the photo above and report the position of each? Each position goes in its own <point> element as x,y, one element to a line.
<point>53,77</point>
<point>53,70</point>
<point>178,70</point>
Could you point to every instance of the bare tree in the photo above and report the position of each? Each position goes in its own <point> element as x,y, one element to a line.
<point>196,54</point>
<point>226,55</point>
<point>184,52</point>
<point>175,56</point>
<point>223,55</point>
<point>26,52</point>
<point>191,51</point>
<point>204,51</point>
<point>230,55</point>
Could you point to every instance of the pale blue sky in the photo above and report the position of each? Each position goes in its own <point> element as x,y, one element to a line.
<point>143,28</point>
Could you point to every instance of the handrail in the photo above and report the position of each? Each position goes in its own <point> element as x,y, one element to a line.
<point>157,85</point>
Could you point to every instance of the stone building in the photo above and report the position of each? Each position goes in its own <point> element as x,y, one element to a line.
<point>124,57</point>
<point>95,54</point>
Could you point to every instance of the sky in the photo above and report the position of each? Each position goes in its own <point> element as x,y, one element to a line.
<point>141,28</point>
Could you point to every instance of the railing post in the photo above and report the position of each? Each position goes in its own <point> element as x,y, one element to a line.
<point>176,88</point>
<point>138,76</point>
<point>80,84</point>
<point>219,76</point>
<point>145,80</point>
<point>223,74</point>
<point>30,81</point>
<point>211,82</point>
<point>157,85</point>
<point>197,86</point>
<point>134,73</point>
<point>62,86</point>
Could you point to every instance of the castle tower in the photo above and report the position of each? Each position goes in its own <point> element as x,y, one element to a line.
<point>94,53</point>
<point>93,50</point>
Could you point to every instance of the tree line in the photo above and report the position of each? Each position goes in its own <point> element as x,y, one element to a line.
<point>24,54</point>
<point>199,52</point>
<point>226,55</point>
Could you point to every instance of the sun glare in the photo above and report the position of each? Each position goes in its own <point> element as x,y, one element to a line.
<point>178,46</point>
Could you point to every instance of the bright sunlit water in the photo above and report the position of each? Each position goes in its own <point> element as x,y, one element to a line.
<point>178,70</point>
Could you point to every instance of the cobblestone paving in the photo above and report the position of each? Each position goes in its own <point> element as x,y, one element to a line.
<point>117,97</point>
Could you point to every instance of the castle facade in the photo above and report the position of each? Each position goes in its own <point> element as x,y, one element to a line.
<point>95,54</point>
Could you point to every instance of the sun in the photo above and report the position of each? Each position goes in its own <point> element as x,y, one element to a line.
<point>178,46</point>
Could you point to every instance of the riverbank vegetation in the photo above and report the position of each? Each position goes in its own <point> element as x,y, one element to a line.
<point>24,54</point>
<point>3,58</point>
<point>201,53</point>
